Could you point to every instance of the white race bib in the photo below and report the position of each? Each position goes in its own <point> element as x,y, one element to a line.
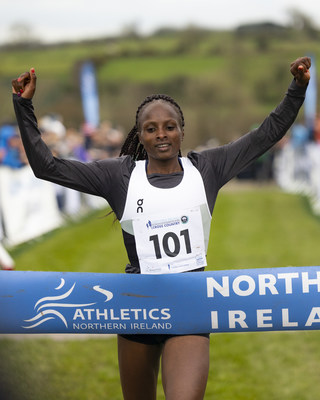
<point>171,244</point>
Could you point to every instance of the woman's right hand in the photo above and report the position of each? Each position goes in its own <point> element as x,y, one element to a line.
<point>25,84</point>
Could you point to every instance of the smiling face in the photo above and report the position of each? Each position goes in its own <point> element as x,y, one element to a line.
<point>161,134</point>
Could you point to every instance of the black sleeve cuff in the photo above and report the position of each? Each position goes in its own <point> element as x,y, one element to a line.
<point>297,90</point>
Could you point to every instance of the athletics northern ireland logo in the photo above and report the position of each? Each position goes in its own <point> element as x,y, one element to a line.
<point>50,307</point>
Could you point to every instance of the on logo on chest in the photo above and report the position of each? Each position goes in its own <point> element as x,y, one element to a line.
<point>139,204</point>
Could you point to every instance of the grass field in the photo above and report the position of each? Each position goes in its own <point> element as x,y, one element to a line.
<point>256,227</point>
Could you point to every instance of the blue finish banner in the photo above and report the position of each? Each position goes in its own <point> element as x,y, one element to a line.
<point>214,301</point>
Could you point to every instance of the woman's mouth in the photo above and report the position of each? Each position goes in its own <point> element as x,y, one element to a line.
<point>162,145</point>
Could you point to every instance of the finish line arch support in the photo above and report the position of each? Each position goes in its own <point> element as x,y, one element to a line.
<point>243,300</point>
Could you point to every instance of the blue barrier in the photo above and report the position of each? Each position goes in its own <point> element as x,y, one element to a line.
<point>214,301</point>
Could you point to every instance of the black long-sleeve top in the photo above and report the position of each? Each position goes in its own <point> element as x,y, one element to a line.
<point>109,178</point>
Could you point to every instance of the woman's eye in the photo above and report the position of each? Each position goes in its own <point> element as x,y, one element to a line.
<point>150,129</point>
<point>170,128</point>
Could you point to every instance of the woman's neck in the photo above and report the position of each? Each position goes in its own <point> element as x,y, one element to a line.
<point>165,167</point>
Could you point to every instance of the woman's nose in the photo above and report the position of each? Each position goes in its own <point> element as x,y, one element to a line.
<point>161,133</point>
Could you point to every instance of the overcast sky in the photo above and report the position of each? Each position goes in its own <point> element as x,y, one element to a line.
<point>56,20</point>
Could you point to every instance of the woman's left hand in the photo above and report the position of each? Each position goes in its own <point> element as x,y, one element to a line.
<point>300,70</point>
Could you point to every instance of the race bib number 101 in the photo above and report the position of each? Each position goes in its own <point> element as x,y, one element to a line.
<point>171,244</point>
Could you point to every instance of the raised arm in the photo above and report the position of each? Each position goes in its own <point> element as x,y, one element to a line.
<point>230,159</point>
<point>93,178</point>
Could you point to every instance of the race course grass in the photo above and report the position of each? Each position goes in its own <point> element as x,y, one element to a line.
<point>252,228</point>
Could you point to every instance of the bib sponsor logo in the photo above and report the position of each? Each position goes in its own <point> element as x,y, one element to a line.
<point>165,223</point>
<point>184,219</point>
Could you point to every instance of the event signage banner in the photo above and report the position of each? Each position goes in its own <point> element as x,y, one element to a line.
<point>214,301</point>
<point>89,94</point>
<point>311,101</point>
<point>28,205</point>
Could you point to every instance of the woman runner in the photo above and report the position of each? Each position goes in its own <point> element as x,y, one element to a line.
<point>151,179</point>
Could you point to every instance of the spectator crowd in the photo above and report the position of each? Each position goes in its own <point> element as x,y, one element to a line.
<point>84,145</point>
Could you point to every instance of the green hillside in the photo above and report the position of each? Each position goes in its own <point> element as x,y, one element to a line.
<point>224,81</point>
